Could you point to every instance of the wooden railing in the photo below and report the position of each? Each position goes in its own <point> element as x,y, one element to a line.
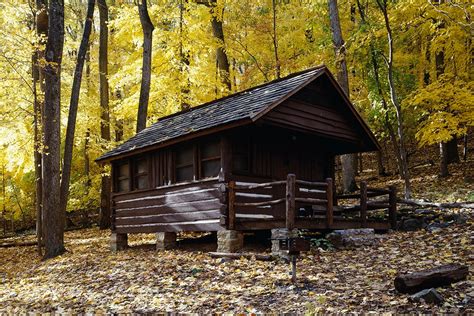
<point>283,200</point>
<point>366,205</point>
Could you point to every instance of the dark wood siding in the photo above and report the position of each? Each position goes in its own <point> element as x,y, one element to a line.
<point>184,207</point>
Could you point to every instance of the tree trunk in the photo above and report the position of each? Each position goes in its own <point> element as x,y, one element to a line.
<point>453,154</point>
<point>105,183</point>
<point>375,65</point>
<point>41,24</point>
<point>394,99</point>
<point>443,161</point>
<point>147,28</point>
<point>380,167</point>
<point>184,61</point>
<point>53,216</point>
<point>223,66</point>
<point>275,42</point>
<point>349,161</point>
<point>464,151</point>
<point>73,105</point>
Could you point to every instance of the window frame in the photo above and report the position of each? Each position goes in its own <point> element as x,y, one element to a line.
<point>136,176</point>
<point>119,178</point>
<point>202,161</point>
<point>177,166</point>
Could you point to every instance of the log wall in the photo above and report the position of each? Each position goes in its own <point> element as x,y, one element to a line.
<point>195,206</point>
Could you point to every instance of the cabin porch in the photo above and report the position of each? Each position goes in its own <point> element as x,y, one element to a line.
<point>249,204</point>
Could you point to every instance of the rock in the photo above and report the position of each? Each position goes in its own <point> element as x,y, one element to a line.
<point>424,212</point>
<point>412,224</point>
<point>353,238</point>
<point>434,227</point>
<point>430,296</point>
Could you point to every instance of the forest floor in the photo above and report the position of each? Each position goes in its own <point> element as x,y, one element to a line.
<point>91,278</point>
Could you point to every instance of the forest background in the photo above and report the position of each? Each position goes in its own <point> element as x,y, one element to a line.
<point>431,74</point>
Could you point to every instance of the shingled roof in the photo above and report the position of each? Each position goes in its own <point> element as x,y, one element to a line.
<point>243,105</point>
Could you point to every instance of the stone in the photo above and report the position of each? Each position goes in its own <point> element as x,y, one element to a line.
<point>353,238</point>
<point>118,242</point>
<point>430,296</point>
<point>412,224</point>
<point>281,233</point>
<point>165,240</point>
<point>229,241</point>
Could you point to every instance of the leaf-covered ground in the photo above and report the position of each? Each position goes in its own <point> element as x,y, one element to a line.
<point>90,278</point>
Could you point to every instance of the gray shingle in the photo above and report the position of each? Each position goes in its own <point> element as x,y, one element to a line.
<point>242,105</point>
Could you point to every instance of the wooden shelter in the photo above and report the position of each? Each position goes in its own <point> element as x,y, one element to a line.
<point>259,159</point>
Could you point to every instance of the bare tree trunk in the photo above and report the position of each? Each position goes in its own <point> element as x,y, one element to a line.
<point>147,28</point>
<point>443,165</point>
<point>184,60</point>
<point>73,105</point>
<point>380,166</point>
<point>53,215</point>
<point>87,160</point>
<point>452,152</point>
<point>105,186</point>
<point>223,66</point>
<point>386,122</point>
<point>275,42</point>
<point>41,24</point>
<point>394,99</point>
<point>464,151</point>
<point>349,161</point>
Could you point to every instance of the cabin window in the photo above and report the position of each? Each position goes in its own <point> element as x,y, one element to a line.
<point>241,157</point>
<point>123,177</point>
<point>184,164</point>
<point>140,174</point>
<point>210,159</point>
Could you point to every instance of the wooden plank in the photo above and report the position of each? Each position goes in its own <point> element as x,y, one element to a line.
<point>307,223</point>
<point>169,189</point>
<point>172,227</point>
<point>363,203</point>
<point>290,201</point>
<point>249,198</point>
<point>166,218</point>
<point>392,211</point>
<point>239,255</point>
<point>264,203</point>
<point>380,191</point>
<point>311,201</point>
<point>205,205</point>
<point>269,210</point>
<point>251,187</point>
<point>231,207</point>
<point>322,185</point>
<point>187,197</point>
<point>329,207</point>
<point>311,194</point>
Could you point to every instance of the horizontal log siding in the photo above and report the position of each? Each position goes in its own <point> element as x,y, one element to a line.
<point>193,206</point>
<point>315,118</point>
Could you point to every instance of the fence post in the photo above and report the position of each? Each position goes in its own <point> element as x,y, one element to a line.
<point>290,201</point>
<point>231,209</point>
<point>363,203</point>
<point>392,210</point>
<point>330,203</point>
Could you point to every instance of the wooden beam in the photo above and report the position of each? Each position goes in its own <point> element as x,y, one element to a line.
<point>330,206</point>
<point>231,207</point>
<point>290,201</point>
<point>392,211</point>
<point>363,203</point>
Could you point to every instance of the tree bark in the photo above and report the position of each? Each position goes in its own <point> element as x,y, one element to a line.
<point>105,183</point>
<point>53,216</point>
<point>41,24</point>
<point>147,27</point>
<point>453,154</point>
<point>443,161</point>
<point>222,60</point>
<point>184,61</point>
<point>73,105</point>
<point>275,42</point>
<point>382,4</point>
<point>349,161</point>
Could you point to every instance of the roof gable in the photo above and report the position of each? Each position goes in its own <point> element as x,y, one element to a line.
<point>241,106</point>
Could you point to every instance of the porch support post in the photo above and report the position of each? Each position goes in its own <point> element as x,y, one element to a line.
<point>392,211</point>
<point>330,201</point>
<point>229,241</point>
<point>363,204</point>
<point>165,240</point>
<point>118,242</point>
<point>290,201</point>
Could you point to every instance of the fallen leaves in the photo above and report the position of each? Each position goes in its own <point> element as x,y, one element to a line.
<point>90,278</point>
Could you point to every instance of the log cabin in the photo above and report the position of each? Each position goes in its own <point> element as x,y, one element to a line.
<point>259,159</point>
